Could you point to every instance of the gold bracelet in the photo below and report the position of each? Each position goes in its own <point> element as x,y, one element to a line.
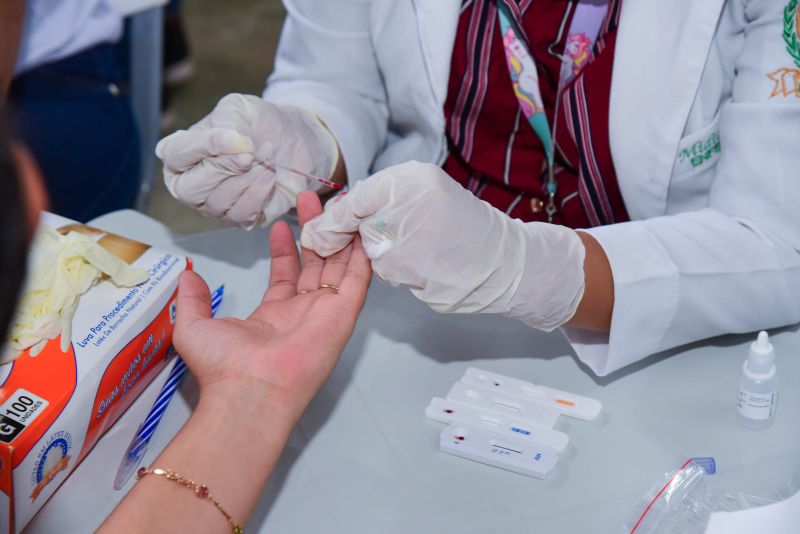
<point>201,490</point>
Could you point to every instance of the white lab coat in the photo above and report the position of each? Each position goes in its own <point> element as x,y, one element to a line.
<point>711,249</point>
<point>56,29</point>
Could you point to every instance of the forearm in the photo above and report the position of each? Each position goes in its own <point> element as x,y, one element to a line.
<point>594,310</point>
<point>231,444</point>
<point>12,13</point>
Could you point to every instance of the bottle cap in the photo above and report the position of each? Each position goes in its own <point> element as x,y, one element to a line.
<point>708,464</point>
<point>761,359</point>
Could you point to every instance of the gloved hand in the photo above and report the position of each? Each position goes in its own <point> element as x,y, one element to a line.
<point>456,252</point>
<point>214,165</point>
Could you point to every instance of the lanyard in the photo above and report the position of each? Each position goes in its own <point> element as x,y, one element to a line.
<point>583,31</point>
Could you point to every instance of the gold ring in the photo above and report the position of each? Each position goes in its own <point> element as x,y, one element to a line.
<point>330,286</point>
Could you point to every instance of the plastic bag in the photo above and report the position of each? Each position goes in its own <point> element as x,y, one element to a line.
<point>680,503</point>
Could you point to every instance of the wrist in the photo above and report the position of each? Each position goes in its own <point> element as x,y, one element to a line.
<point>248,404</point>
<point>551,276</point>
<point>596,305</point>
<point>231,444</point>
<point>324,144</point>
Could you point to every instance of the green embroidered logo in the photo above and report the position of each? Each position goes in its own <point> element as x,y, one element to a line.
<point>700,151</point>
<point>791,29</point>
<point>787,80</point>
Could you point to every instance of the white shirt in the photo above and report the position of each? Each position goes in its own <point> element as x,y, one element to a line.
<point>55,29</point>
<point>713,246</point>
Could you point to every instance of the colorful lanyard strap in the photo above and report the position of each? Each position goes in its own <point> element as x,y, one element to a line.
<point>583,32</point>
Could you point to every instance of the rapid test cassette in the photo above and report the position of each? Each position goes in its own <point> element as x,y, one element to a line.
<point>481,446</point>
<point>497,401</point>
<point>506,422</point>
<point>502,425</point>
<point>516,390</point>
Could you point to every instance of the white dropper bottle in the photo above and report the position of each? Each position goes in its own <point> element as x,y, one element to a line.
<point>758,386</point>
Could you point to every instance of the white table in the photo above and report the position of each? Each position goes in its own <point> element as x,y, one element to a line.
<point>365,459</point>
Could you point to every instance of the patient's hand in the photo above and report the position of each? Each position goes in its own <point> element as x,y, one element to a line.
<point>288,346</point>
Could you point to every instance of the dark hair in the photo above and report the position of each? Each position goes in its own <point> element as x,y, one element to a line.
<point>14,231</point>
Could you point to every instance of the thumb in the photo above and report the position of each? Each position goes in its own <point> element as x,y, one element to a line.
<point>184,149</point>
<point>194,300</point>
<point>335,228</point>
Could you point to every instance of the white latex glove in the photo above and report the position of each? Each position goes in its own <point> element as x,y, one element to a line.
<point>456,252</point>
<point>60,270</point>
<point>214,165</point>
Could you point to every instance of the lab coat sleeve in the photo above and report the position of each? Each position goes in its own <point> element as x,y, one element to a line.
<point>326,63</point>
<point>733,267</point>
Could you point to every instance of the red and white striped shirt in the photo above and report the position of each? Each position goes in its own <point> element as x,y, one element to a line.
<point>495,153</point>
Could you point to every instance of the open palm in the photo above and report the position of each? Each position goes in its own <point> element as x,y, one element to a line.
<point>290,343</point>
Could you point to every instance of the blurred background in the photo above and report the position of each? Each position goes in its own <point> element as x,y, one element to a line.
<point>231,46</point>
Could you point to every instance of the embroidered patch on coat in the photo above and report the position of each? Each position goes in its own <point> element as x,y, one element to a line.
<point>787,79</point>
<point>701,151</point>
